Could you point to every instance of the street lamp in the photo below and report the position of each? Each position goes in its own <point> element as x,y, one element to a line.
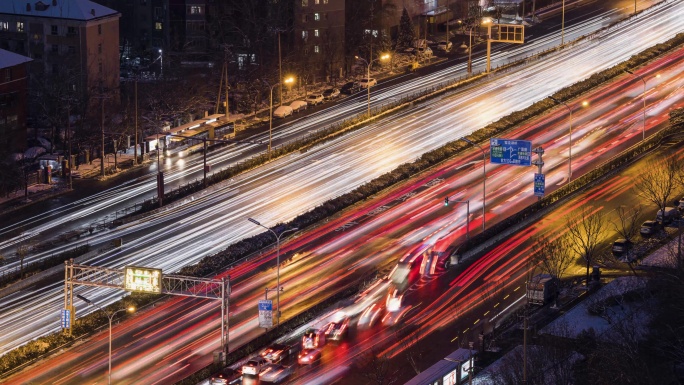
<point>110,315</point>
<point>563,25</point>
<point>382,57</point>
<point>484,178</point>
<point>570,146</point>
<point>278,236</point>
<point>643,129</point>
<point>161,64</point>
<point>270,117</point>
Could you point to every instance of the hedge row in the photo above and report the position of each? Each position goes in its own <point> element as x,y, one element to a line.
<point>214,263</point>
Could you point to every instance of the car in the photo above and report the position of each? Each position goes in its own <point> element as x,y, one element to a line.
<point>337,330</point>
<point>424,52</point>
<point>282,112</point>
<point>309,356</point>
<point>227,376</point>
<point>367,82</point>
<point>621,247</point>
<point>331,93</point>
<point>670,214</point>
<point>649,228</point>
<point>444,46</point>
<point>350,88</point>
<point>277,353</point>
<point>254,366</point>
<point>298,105</point>
<point>275,374</point>
<point>369,316</point>
<point>314,99</point>
<point>680,204</point>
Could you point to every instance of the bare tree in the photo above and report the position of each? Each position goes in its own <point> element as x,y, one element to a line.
<point>658,181</point>
<point>23,250</point>
<point>627,224</point>
<point>376,370</point>
<point>553,255</point>
<point>586,230</point>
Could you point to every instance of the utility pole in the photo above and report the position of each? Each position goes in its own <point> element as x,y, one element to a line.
<point>227,84</point>
<point>102,167</point>
<point>280,75</point>
<point>71,166</point>
<point>135,145</point>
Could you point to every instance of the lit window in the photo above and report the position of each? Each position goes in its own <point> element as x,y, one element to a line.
<point>195,10</point>
<point>316,32</point>
<point>158,26</point>
<point>20,26</point>
<point>305,3</point>
<point>53,29</point>
<point>4,26</point>
<point>316,49</point>
<point>305,34</point>
<point>317,1</point>
<point>317,16</point>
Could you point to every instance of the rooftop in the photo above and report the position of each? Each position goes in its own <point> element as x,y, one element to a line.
<point>11,59</point>
<point>56,9</point>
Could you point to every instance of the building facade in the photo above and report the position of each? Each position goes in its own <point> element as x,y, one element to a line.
<point>78,37</point>
<point>319,37</point>
<point>13,91</point>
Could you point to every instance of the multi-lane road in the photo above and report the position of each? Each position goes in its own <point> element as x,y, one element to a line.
<point>47,221</point>
<point>176,338</point>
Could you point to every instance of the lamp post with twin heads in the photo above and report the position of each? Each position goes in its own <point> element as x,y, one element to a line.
<point>270,116</point>
<point>110,315</point>
<point>277,236</point>
<point>368,64</point>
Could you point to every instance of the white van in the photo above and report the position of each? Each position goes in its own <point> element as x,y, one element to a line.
<point>670,215</point>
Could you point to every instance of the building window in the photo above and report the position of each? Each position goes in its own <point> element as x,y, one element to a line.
<point>99,48</point>
<point>99,67</point>
<point>71,30</point>
<point>72,49</point>
<point>53,29</point>
<point>316,32</point>
<point>8,74</point>
<point>317,1</point>
<point>317,16</point>
<point>305,34</point>
<point>316,49</point>
<point>325,16</point>
<point>55,48</point>
<point>305,18</point>
<point>158,26</point>
<point>157,12</point>
<point>4,26</point>
<point>305,3</point>
<point>325,1</point>
<point>99,29</point>
<point>20,26</point>
<point>195,10</point>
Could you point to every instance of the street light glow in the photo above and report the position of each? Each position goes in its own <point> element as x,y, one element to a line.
<point>289,80</point>
<point>385,56</point>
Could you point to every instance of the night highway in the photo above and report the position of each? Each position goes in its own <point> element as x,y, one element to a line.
<point>63,214</point>
<point>158,350</point>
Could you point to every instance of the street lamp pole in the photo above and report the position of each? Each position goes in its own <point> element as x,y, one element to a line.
<point>643,97</point>
<point>563,25</point>
<point>570,146</point>
<point>484,179</point>
<point>368,64</point>
<point>277,236</point>
<point>270,116</point>
<point>111,317</point>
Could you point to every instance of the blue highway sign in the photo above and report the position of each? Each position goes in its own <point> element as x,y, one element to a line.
<point>539,184</point>
<point>507,151</point>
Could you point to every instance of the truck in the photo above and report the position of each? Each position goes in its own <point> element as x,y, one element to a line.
<point>541,289</point>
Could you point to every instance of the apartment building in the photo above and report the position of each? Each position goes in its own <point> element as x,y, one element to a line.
<point>13,90</point>
<point>76,36</point>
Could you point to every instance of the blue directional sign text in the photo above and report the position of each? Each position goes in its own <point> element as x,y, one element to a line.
<point>507,151</point>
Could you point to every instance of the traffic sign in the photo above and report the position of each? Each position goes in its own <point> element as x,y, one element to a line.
<point>66,319</point>
<point>265,313</point>
<point>539,184</point>
<point>507,151</point>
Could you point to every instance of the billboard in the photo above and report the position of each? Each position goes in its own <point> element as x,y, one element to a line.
<point>265,313</point>
<point>142,279</point>
<point>509,151</point>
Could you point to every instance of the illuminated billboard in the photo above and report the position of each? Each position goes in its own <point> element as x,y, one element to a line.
<point>142,279</point>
